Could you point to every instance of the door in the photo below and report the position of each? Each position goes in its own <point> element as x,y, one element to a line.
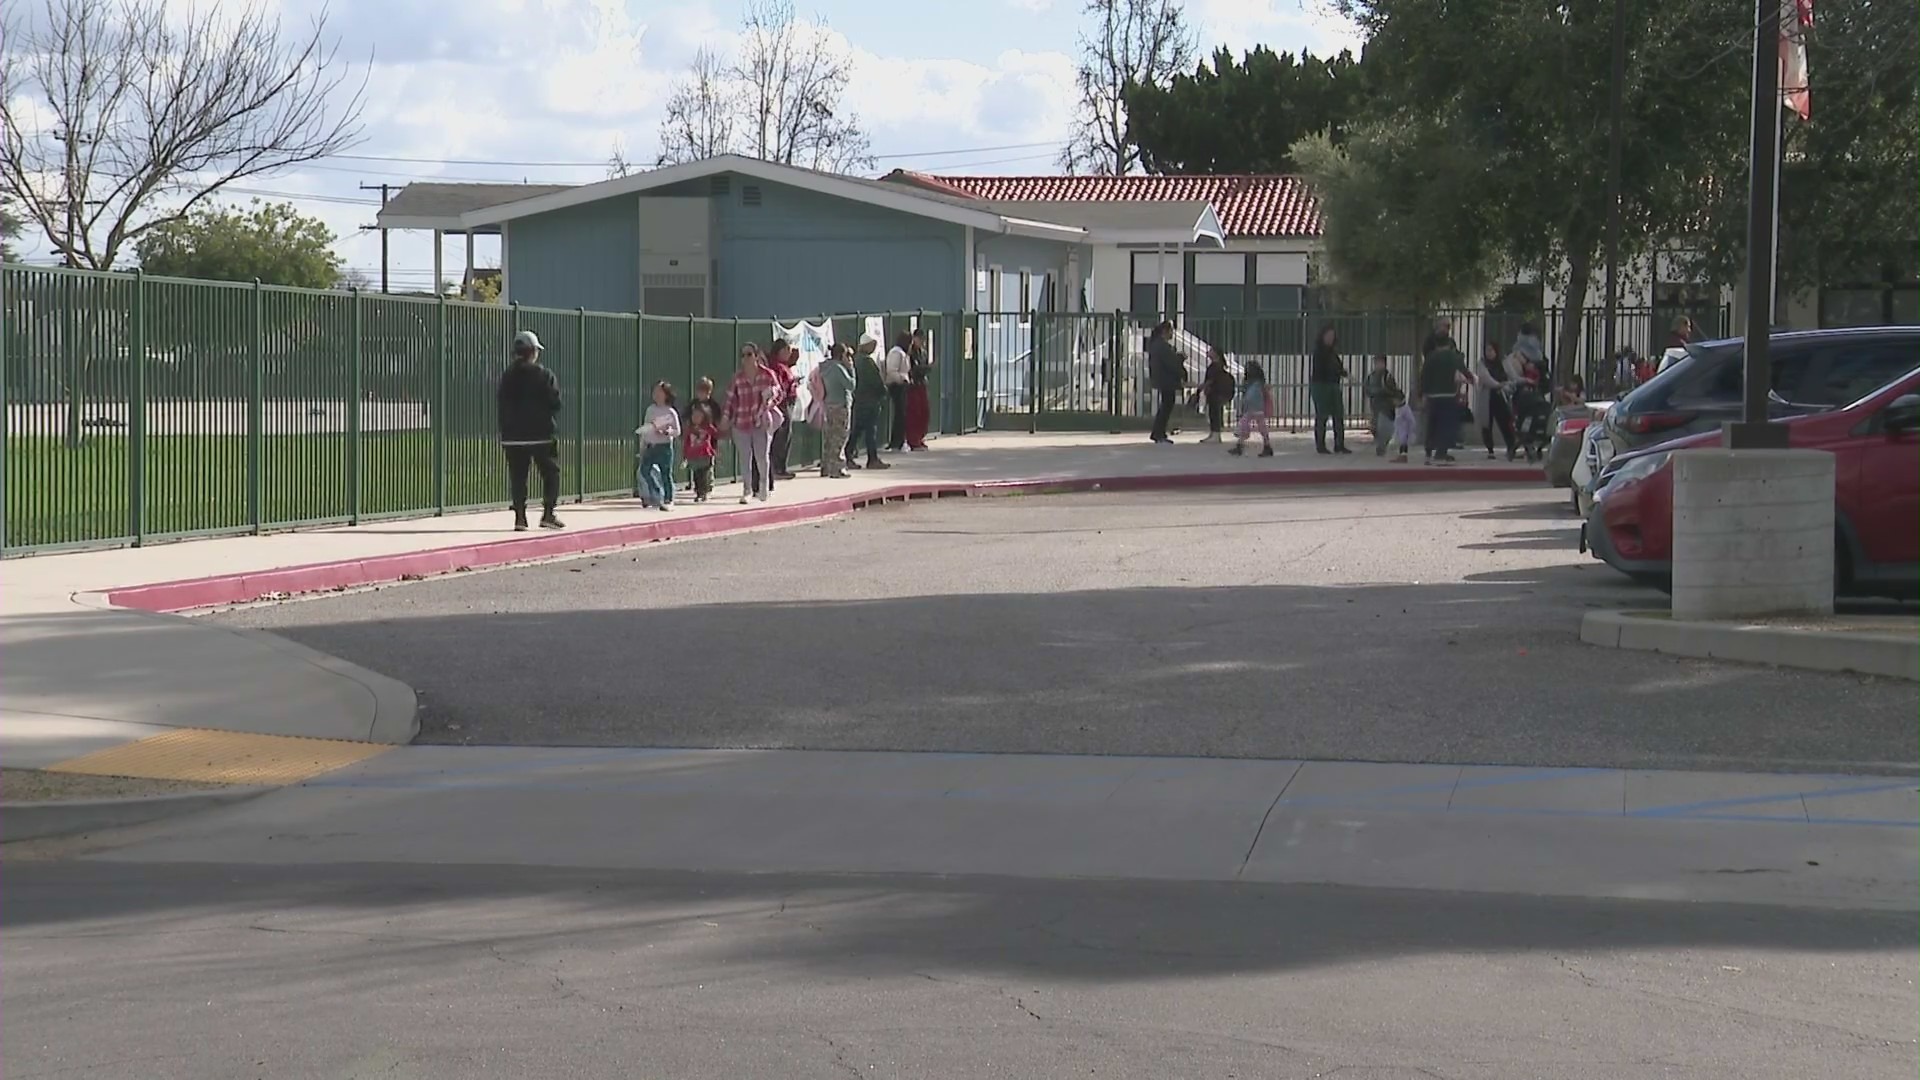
<point>1885,507</point>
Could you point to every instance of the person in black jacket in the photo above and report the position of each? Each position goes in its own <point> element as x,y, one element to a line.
<point>1216,391</point>
<point>528,399</point>
<point>1167,370</point>
<point>1323,386</point>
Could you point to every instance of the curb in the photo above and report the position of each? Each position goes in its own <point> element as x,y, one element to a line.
<point>1895,657</point>
<point>227,589</point>
<point>37,820</point>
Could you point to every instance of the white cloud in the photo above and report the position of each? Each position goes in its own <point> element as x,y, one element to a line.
<point>1289,25</point>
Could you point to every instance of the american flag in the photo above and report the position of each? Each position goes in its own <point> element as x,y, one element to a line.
<point>1796,18</point>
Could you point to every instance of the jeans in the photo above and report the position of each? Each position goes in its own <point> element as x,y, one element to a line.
<point>1443,423</point>
<point>1166,400</point>
<point>755,446</point>
<point>1327,407</point>
<point>897,409</point>
<point>866,425</point>
<point>782,442</point>
<point>838,419</point>
<point>543,456</point>
<point>656,474</point>
<point>1382,431</point>
<point>1502,418</point>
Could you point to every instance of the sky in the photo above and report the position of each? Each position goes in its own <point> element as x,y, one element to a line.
<point>545,90</point>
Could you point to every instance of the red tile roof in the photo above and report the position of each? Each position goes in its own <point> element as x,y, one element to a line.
<point>1268,205</point>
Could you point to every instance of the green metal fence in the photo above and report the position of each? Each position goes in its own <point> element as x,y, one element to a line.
<point>140,408</point>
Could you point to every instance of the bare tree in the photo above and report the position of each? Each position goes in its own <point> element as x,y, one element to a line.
<point>778,100</point>
<point>701,112</point>
<point>1131,41</point>
<point>108,110</point>
<point>618,164</point>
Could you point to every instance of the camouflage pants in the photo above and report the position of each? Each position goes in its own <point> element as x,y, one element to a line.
<point>833,440</point>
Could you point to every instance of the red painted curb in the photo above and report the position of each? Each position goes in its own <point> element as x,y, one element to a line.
<point>226,589</point>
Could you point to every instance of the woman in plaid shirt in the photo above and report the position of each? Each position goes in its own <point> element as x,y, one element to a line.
<point>752,412</point>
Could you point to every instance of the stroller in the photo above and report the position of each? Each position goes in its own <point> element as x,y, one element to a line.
<point>1532,419</point>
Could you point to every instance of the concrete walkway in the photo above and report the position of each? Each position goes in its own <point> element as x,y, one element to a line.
<point>82,674</point>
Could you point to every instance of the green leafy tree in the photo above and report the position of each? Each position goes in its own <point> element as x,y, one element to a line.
<point>1243,117</point>
<point>1401,227</point>
<point>270,241</point>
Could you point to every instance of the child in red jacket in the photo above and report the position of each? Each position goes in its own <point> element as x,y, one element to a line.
<point>699,444</point>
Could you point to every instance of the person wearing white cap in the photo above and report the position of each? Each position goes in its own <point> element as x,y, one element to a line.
<point>528,400</point>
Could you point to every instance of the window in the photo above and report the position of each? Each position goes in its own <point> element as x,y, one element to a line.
<point>1279,297</point>
<point>1847,372</point>
<point>992,300</point>
<point>1218,284</point>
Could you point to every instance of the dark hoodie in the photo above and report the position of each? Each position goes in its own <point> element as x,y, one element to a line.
<point>1327,368</point>
<point>528,399</point>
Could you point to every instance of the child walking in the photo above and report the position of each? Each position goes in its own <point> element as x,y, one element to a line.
<point>657,431</point>
<point>1254,406</point>
<point>1384,399</point>
<point>700,445</point>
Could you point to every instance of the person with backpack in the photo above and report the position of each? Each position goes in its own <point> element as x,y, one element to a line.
<point>1216,391</point>
<point>1255,404</point>
<point>526,403</point>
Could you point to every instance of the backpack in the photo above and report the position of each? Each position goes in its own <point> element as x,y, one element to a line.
<point>1253,398</point>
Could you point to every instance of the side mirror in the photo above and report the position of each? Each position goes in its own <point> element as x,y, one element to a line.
<point>1901,414</point>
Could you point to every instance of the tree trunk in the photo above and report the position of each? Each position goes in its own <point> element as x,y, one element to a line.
<point>1573,312</point>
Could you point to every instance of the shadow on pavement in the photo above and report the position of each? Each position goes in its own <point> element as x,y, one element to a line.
<point>1485,673</point>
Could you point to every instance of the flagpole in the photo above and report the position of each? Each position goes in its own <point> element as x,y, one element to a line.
<point>1763,165</point>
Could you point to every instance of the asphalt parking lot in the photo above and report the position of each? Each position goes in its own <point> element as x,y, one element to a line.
<point>1384,624</point>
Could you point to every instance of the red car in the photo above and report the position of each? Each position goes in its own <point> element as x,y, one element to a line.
<point>1876,495</point>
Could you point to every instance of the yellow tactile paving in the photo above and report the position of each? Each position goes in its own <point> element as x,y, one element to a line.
<point>222,757</point>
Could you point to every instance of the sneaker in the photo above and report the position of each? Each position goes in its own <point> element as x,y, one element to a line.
<point>876,463</point>
<point>744,500</point>
<point>854,465</point>
<point>519,523</point>
<point>548,521</point>
<point>699,498</point>
<point>917,449</point>
<point>1400,459</point>
<point>664,507</point>
<point>1444,459</point>
<point>1266,451</point>
<point>1322,450</point>
<point>1238,450</point>
<point>1341,450</point>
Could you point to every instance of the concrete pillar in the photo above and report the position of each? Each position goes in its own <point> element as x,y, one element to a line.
<point>1753,533</point>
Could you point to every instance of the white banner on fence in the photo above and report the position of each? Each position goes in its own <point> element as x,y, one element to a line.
<point>810,343</point>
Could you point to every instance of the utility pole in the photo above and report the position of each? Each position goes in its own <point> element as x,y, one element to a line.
<point>1753,432</point>
<point>1610,331</point>
<point>382,189</point>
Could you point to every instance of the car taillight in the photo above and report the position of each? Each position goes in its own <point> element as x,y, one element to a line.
<point>1648,422</point>
<point>1573,427</point>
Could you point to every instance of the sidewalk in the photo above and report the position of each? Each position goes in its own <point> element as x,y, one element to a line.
<point>1887,645</point>
<point>84,673</point>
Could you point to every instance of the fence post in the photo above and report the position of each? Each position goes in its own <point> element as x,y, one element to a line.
<point>1116,340</point>
<point>353,420</point>
<point>640,385</point>
<point>580,406</point>
<point>1033,373</point>
<point>6,285</point>
<point>256,416</point>
<point>137,417</point>
<point>437,414</point>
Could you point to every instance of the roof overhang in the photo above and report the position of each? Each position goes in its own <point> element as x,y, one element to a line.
<point>441,205</point>
<point>904,199</point>
<point>1188,224</point>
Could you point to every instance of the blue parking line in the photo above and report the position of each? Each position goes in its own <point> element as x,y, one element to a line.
<point>1679,809</point>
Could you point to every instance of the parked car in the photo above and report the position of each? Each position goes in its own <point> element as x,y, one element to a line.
<point>1569,425</point>
<point>1588,470</point>
<point>1813,371</point>
<point>1876,494</point>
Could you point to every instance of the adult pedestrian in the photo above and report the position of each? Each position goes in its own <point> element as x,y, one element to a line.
<point>751,414</point>
<point>1440,336</point>
<point>1677,340</point>
<point>1323,387</point>
<point>526,403</point>
<point>780,363</point>
<point>837,382</point>
<point>897,372</point>
<point>919,399</point>
<point>1167,372</point>
<point>1490,408</point>
<point>869,393</point>
<point>1442,375</point>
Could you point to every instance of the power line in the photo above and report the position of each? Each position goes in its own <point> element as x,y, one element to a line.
<point>955,152</point>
